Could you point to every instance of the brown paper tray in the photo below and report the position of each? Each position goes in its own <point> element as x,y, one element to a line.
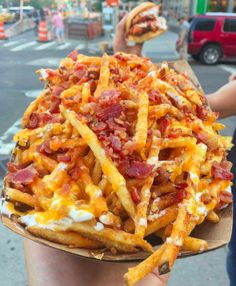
<point>217,235</point>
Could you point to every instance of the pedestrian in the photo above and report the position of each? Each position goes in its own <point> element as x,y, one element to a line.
<point>58,27</point>
<point>182,42</point>
<point>35,18</point>
<point>42,14</point>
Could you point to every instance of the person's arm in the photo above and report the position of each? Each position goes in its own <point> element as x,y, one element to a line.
<point>120,41</point>
<point>224,100</point>
<point>49,266</point>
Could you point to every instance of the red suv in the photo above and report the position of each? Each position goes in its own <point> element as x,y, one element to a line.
<point>212,36</point>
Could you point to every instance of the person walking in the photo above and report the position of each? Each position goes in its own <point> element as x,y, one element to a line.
<point>182,42</point>
<point>58,27</point>
<point>35,18</point>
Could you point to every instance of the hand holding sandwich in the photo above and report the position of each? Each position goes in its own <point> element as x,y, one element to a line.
<point>120,41</point>
<point>141,24</point>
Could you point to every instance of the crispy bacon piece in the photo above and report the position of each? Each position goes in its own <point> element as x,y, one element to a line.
<point>63,158</point>
<point>139,170</point>
<point>180,196</point>
<point>109,97</point>
<point>45,148</point>
<point>135,195</point>
<point>112,125</point>
<point>54,107</point>
<point>202,112</point>
<point>164,123</point>
<point>23,176</point>
<point>98,126</point>
<point>33,121</point>
<point>155,96</point>
<point>109,112</point>
<point>73,55</point>
<point>115,143</point>
<point>182,185</point>
<point>220,172</point>
<point>162,176</point>
<point>225,198</point>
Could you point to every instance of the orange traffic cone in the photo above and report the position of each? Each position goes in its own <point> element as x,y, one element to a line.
<point>43,34</point>
<point>2,32</point>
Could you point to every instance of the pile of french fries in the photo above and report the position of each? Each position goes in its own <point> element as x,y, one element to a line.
<point>116,149</point>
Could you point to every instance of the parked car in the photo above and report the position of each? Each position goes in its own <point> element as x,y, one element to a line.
<point>212,37</point>
<point>27,11</point>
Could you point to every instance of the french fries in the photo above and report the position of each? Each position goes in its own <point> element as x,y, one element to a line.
<point>117,149</point>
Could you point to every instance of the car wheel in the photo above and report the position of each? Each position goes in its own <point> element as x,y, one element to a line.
<point>210,54</point>
<point>196,57</point>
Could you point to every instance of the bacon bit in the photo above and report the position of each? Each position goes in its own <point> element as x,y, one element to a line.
<point>73,55</point>
<point>218,172</point>
<point>98,126</point>
<point>63,158</point>
<point>45,148</point>
<point>121,57</point>
<point>109,112</point>
<point>180,196</point>
<point>113,126</point>
<point>92,99</point>
<point>54,107</point>
<point>109,97</point>
<point>226,165</point>
<point>45,118</point>
<point>202,112</point>
<point>162,176</point>
<point>93,72</point>
<point>80,74</point>
<point>206,198</point>
<point>33,121</point>
<point>51,72</point>
<point>56,91</point>
<point>182,185</point>
<point>24,176</point>
<point>115,143</point>
<point>135,195</point>
<point>139,170</point>
<point>11,167</point>
<point>123,166</point>
<point>225,198</point>
<point>75,173</point>
<point>93,86</point>
<point>155,96</point>
<point>164,123</point>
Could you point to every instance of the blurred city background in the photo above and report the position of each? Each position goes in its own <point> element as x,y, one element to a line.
<point>28,42</point>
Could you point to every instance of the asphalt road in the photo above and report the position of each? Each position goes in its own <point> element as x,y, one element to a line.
<point>20,57</point>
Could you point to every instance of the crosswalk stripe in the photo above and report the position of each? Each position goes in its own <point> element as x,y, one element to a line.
<point>23,46</point>
<point>44,46</point>
<point>11,44</point>
<point>227,68</point>
<point>64,46</point>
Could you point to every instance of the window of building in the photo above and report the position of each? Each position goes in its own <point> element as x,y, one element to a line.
<point>230,25</point>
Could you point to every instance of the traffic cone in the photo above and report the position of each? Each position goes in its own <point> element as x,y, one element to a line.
<point>2,32</point>
<point>43,34</point>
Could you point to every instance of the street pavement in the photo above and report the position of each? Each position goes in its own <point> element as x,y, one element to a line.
<point>20,57</point>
